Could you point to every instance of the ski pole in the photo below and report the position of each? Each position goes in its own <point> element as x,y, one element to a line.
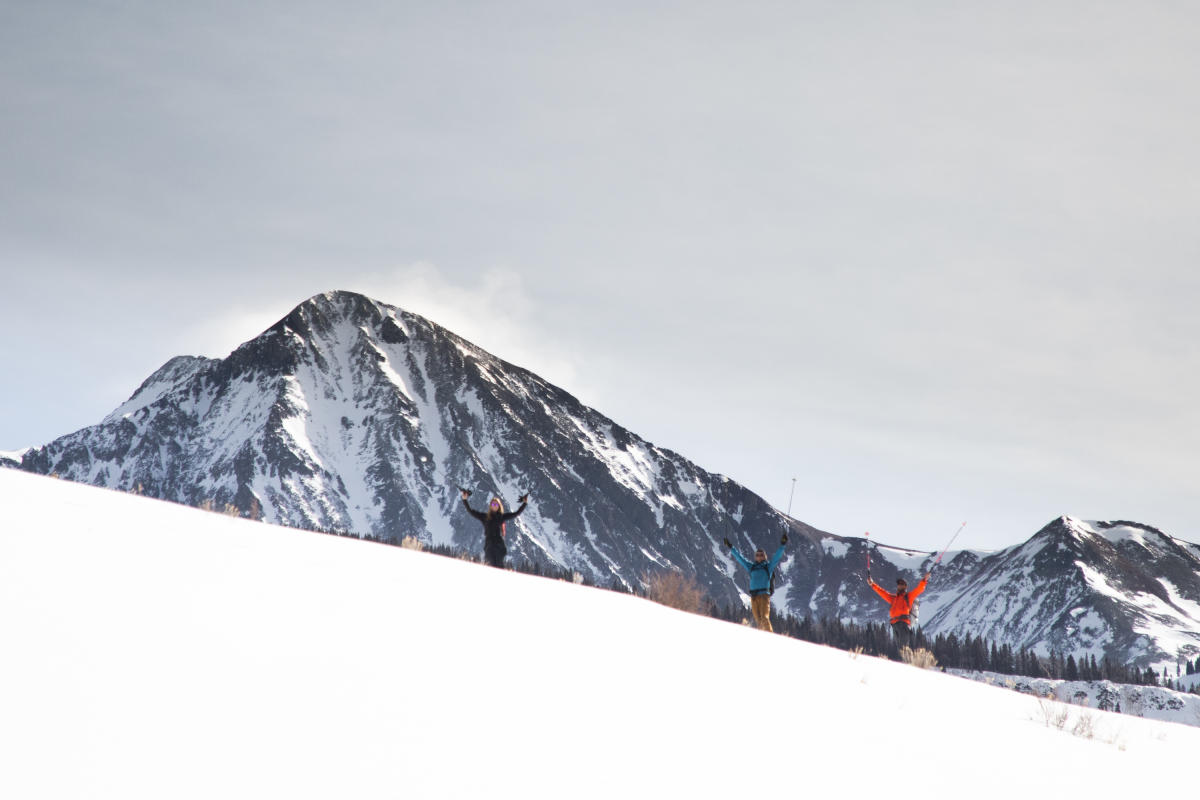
<point>947,547</point>
<point>868,555</point>
<point>790,496</point>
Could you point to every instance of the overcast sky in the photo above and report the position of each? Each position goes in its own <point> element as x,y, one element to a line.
<point>936,261</point>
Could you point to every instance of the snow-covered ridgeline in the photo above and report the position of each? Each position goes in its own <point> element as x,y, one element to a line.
<point>13,457</point>
<point>1117,590</point>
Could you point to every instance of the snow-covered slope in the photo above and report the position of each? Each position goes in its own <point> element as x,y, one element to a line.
<point>355,416</point>
<point>153,650</point>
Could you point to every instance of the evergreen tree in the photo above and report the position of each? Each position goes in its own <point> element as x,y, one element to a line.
<point>1006,659</point>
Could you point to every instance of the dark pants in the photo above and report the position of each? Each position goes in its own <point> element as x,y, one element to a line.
<point>902,634</point>
<point>494,555</point>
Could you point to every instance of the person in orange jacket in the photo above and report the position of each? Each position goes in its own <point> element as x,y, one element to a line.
<point>900,603</point>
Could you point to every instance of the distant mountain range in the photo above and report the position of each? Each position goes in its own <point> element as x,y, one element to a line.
<point>354,416</point>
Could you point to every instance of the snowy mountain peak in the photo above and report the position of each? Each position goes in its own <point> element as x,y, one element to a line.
<point>170,376</point>
<point>355,416</point>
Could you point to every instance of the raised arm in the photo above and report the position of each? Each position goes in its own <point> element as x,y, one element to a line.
<point>879,590</point>
<point>738,557</point>
<point>524,502</point>
<point>775,559</point>
<point>479,515</point>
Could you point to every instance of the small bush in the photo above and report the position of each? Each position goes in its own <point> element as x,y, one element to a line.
<point>918,658</point>
<point>412,543</point>
<point>1085,725</point>
<point>1054,713</point>
<point>673,588</point>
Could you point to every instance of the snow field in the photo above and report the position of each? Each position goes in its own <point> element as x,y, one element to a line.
<point>154,650</point>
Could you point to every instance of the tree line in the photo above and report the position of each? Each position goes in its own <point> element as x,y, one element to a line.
<point>968,652</point>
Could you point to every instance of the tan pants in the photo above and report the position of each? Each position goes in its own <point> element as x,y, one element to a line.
<point>760,606</point>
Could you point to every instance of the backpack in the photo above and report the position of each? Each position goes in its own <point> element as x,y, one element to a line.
<point>913,609</point>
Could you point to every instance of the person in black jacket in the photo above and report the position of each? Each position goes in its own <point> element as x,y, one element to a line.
<point>494,549</point>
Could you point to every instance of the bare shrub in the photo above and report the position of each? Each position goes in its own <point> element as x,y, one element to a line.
<point>412,543</point>
<point>229,509</point>
<point>1085,725</point>
<point>673,588</point>
<point>1054,713</point>
<point>920,657</point>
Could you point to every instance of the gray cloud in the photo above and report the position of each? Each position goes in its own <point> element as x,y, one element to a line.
<point>936,263</point>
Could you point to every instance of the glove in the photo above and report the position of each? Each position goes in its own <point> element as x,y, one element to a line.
<point>523,498</point>
<point>784,539</point>
<point>728,543</point>
<point>465,493</point>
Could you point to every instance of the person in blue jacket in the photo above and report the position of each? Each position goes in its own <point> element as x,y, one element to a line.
<point>761,570</point>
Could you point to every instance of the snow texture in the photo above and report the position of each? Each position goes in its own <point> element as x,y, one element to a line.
<point>160,651</point>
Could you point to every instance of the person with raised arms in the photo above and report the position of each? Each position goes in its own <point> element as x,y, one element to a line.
<point>494,548</point>
<point>900,606</point>
<point>761,571</point>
